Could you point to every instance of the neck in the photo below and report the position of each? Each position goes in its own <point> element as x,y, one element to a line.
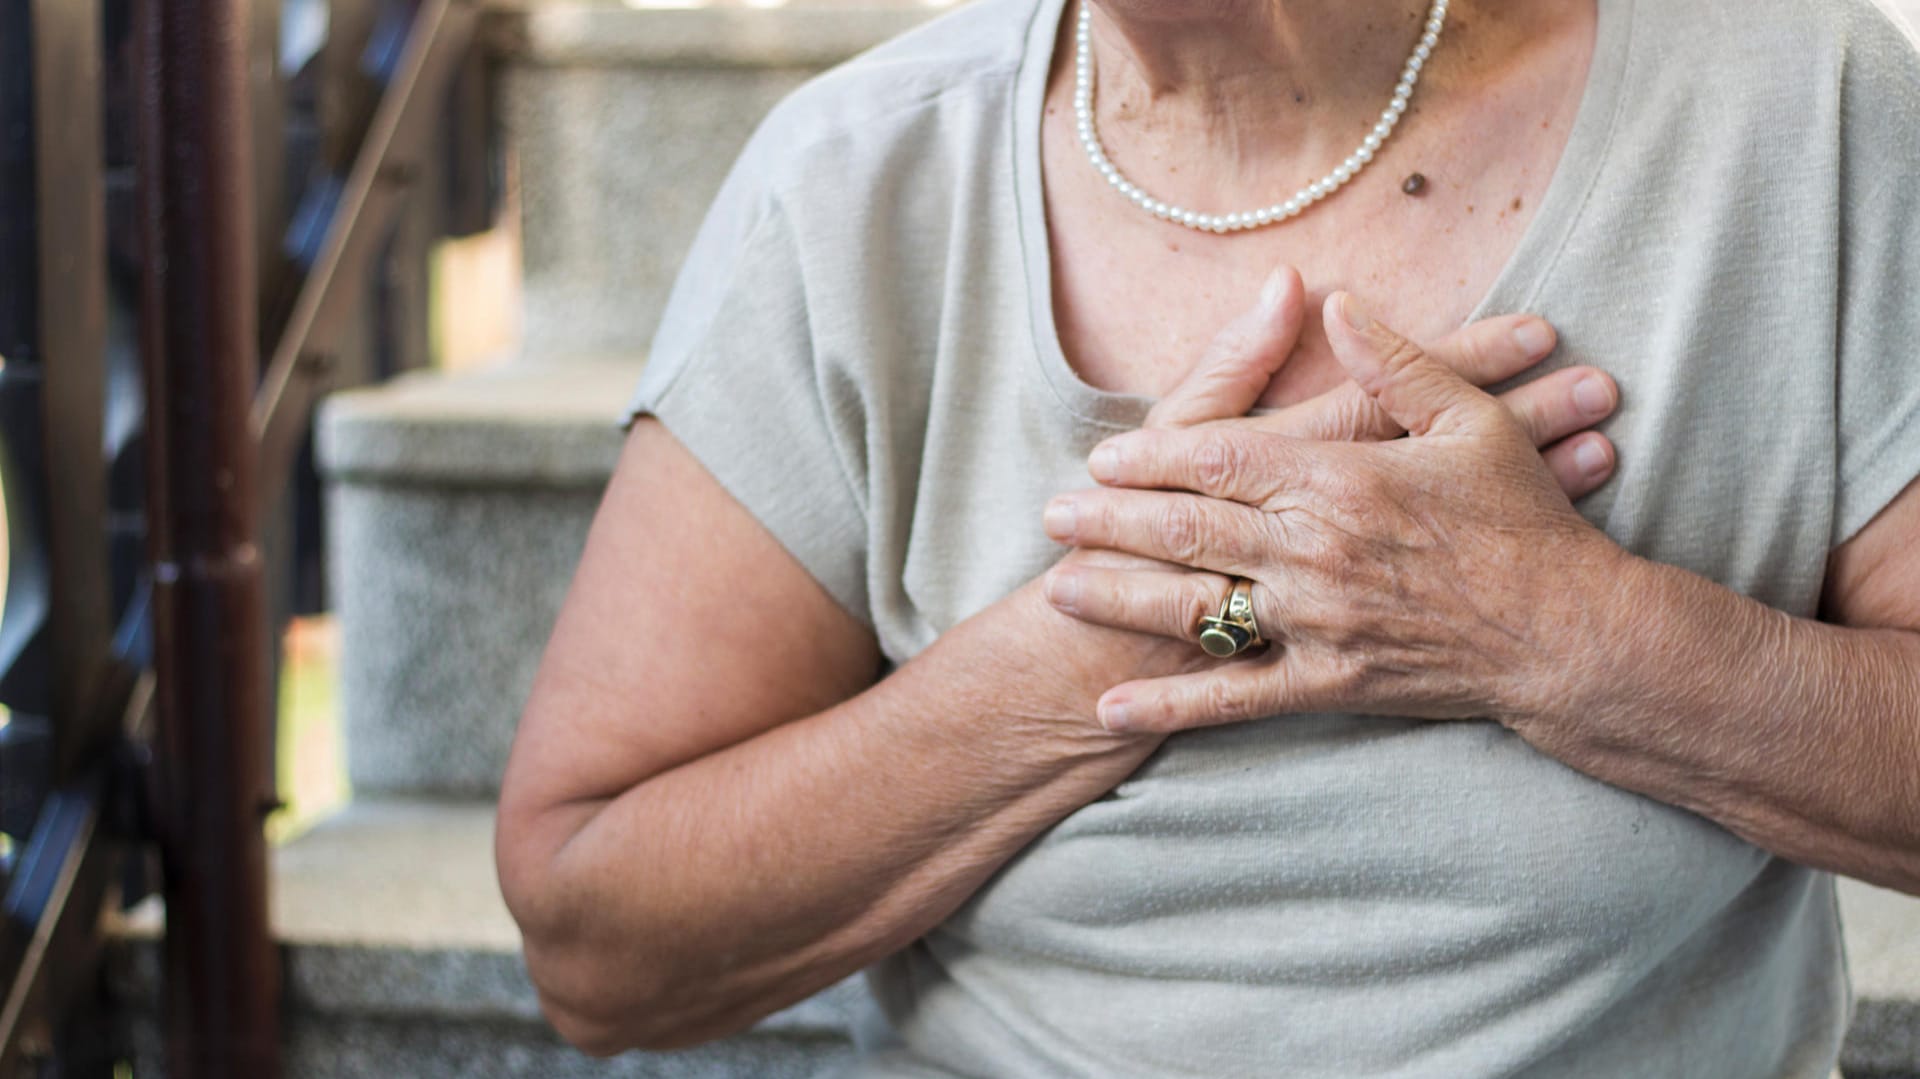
<point>1247,79</point>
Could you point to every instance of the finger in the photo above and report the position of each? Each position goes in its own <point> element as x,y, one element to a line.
<point>1342,414</point>
<point>1554,406</point>
<point>1189,530</point>
<point>1420,393</point>
<point>1219,460</point>
<point>1164,603</point>
<point>1581,464</point>
<point>1241,359</point>
<point>1118,560</point>
<point>1491,350</point>
<point>1495,349</point>
<point>1250,687</point>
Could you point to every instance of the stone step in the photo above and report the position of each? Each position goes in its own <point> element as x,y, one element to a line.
<point>457,508</point>
<point>401,961</point>
<point>623,117</point>
<point>458,505</point>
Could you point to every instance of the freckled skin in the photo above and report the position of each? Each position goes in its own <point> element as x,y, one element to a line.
<point>1133,313</point>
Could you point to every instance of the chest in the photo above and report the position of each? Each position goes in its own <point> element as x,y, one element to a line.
<point>1422,234</point>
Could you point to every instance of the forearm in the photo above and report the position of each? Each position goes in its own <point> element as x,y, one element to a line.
<point>737,883</point>
<point>1801,737</point>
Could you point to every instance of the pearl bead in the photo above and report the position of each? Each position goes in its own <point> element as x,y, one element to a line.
<point>1294,206</point>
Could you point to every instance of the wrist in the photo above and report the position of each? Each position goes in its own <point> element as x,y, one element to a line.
<point>1589,641</point>
<point>1040,673</point>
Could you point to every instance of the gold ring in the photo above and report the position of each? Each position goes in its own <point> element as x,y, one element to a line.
<point>1234,629</point>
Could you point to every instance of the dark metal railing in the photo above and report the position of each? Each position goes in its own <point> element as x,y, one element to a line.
<point>188,234</point>
<point>200,340</point>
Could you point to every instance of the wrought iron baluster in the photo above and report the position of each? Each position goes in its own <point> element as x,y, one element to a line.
<point>200,347</point>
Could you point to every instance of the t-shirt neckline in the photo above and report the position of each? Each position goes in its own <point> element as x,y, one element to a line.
<point>1515,287</point>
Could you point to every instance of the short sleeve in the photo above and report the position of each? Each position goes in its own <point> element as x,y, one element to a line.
<point>1879,304</point>
<point>733,375</point>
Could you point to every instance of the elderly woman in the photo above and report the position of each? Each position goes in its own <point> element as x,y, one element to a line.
<point>1485,782</point>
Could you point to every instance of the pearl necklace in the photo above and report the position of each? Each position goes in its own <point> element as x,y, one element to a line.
<point>1253,219</point>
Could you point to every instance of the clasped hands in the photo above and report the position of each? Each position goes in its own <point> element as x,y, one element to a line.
<point>1443,575</point>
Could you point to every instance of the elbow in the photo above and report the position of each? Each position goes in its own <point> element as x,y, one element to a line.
<point>572,971</point>
<point>590,1034</point>
<point>600,987</point>
<point>603,1011</point>
<point>560,949</point>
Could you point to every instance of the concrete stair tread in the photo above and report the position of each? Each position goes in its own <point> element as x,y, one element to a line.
<point>392,908</point>
<point>731,33</point>
<point>394,874</point>
<point>1883,942</point>
<point>554,423</point>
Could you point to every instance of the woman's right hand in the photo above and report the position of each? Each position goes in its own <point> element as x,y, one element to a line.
<point>1556,410</point>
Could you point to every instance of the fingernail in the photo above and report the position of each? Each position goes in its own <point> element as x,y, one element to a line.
<point>1591,458</point>
<point>1534,337</point>
<point>1271,292</point>
<point>1116,715</point>
<point>1591,395</point>
<point>1063,588</point>
<point>1060,519</point>
<point>1353,312</point>
<point>1104,464</point>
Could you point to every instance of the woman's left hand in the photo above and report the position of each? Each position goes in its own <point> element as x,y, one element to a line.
<point>1443,575</point>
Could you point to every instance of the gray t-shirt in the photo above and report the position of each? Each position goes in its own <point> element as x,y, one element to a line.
<point>861,349</point>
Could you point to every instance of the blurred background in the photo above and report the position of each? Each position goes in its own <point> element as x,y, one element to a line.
<point>417,248</point>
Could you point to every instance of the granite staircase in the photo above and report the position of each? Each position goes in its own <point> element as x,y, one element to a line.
<point>459,504</point>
